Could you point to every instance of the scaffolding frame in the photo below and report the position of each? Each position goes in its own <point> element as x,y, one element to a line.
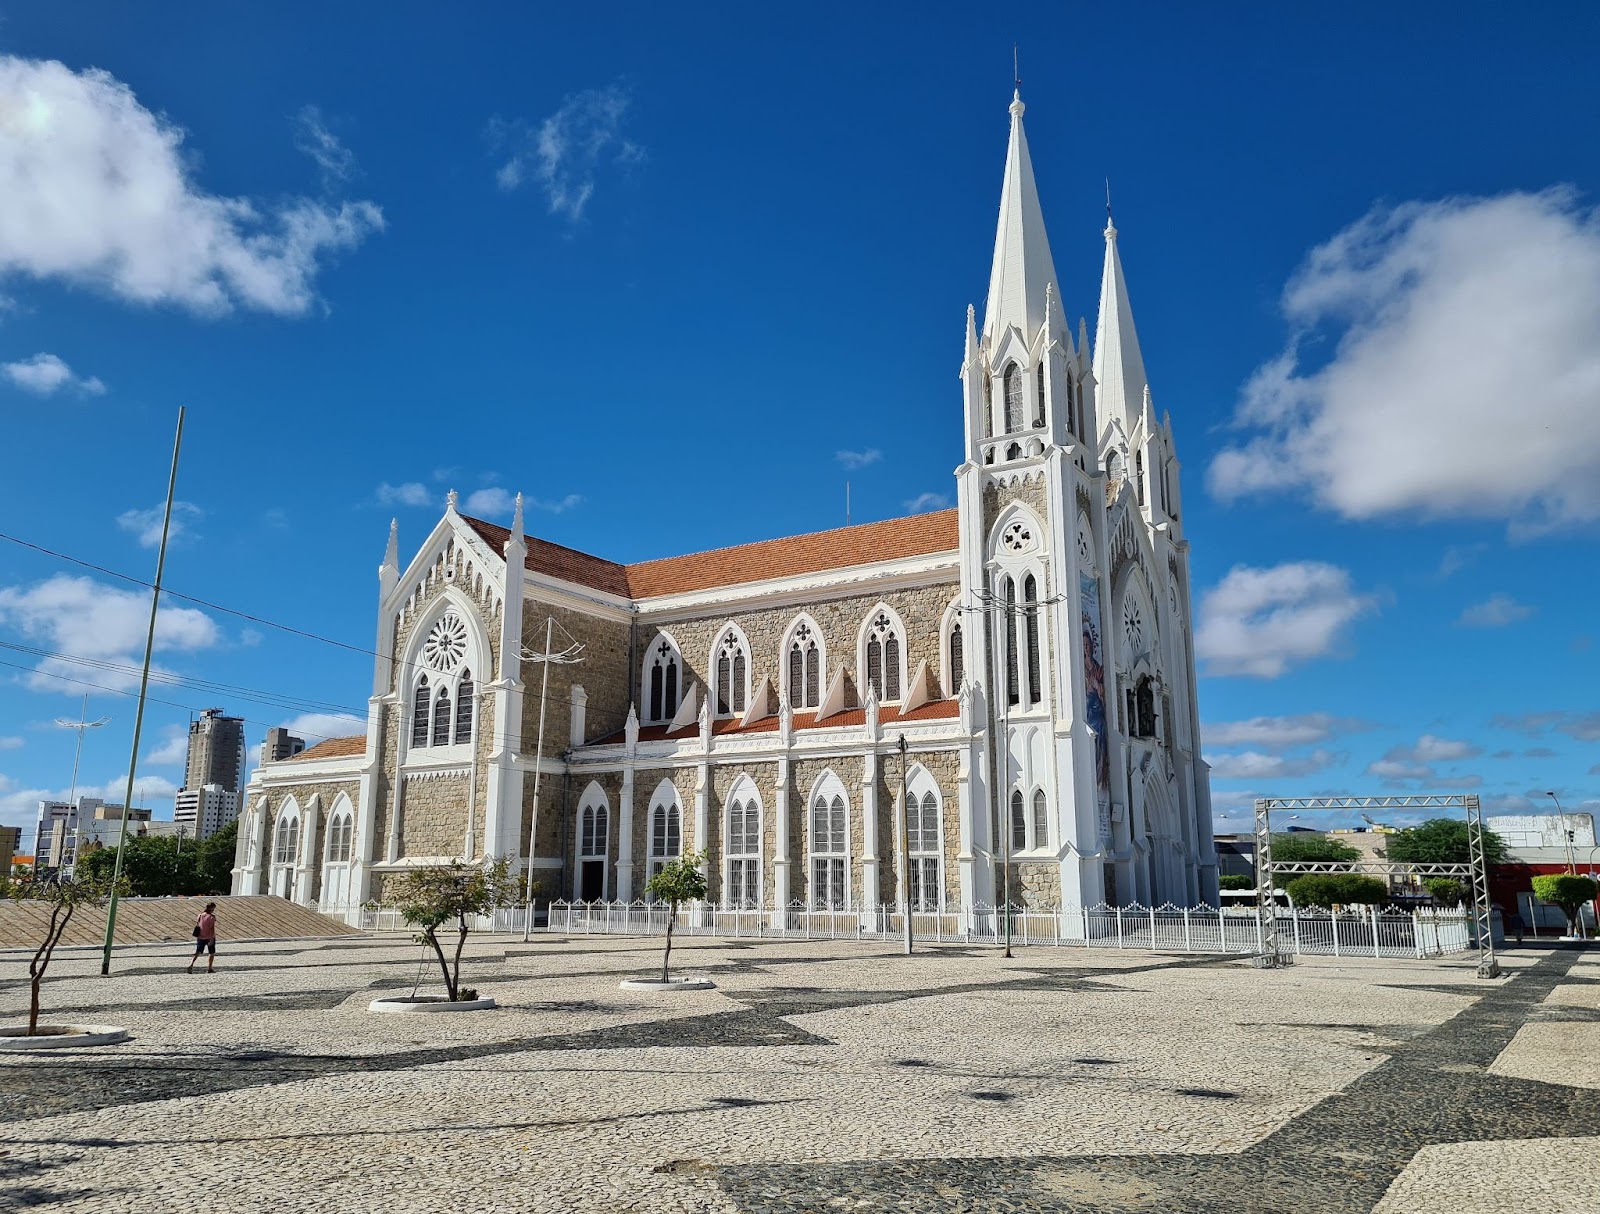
<point>1274,954</point>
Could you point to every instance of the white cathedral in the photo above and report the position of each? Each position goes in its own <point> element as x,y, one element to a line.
<point>1032,648</point>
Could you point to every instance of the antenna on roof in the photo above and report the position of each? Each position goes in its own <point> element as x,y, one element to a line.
<point>847,503</point>
<point>1108,202</point>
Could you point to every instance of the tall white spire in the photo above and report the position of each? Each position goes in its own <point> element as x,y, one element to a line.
<point>1118,365</point>
<point>1022,265</point>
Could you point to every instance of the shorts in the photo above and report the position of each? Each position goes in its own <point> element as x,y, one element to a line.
<point>205,946</point>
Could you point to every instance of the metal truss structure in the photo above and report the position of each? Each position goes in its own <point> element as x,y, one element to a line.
<point>1476,871</point>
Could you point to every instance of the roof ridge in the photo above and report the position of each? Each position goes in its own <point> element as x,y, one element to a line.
<point>803,535</point>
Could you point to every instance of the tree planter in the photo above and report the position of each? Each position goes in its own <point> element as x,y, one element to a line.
<point>60,1036</point>
<point>671,984</point>
<point>431,1003</point>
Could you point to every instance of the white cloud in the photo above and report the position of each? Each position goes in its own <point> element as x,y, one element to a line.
<point>174,749</point>
<point>487,503</point>
<point>1431,749</point>
<point>316,727</point>
<point>564,154</point>
<point>1580,726</point>
<point>138,227</point>
<point>557,506</point>
<point>46,374</point>
<point>924,502</point>
<point>1275,734</point>
<point>1497,611</point>
<point>1261,622</point>
<point>1253,765</point>
<point>1446,321</point>
<point>19,806</point>
<point>858,459</point>
<point>408,494</point>
<point>146,524</point>
<point>12,743</point>
<point>79,618</point>
<point>335,161</point>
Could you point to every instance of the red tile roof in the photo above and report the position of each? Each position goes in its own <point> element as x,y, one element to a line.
<point>841,548</point>
<point>934,710</point>
<point>333,748</point>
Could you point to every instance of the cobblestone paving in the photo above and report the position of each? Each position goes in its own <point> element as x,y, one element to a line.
<point>817,1076</point>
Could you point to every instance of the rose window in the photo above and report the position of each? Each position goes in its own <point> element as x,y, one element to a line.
<point>1017,537</point>
<point>446,645</point>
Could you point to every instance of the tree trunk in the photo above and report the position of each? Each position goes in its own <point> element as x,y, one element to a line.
<point>461,940</point>
<point>444,966</point>
<point>41,962</point>
<point>672,914</point>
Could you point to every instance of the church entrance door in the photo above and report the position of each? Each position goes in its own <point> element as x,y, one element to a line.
<point>592,880</point>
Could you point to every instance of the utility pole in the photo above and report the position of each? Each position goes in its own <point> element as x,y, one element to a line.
<point>144,686</point>
<point>570,655</point>
<point>905,846</point>
<point>1566,835</point>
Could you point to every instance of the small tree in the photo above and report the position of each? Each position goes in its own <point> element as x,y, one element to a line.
<point>214,860</point>
<point>1569,893</point>
<point>1337,889</point>
<point>677,881</point>
<point>1445,891</point>
<point>431,897</point>
<point>1442,841</point>
<point>1308,847</point>
<point>1235,881</point>
<point>63,895</point>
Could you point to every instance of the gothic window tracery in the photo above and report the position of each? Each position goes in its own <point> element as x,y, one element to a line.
<point>804,668</point>
<point>1019,822</point>
<point>662,679</point>
<point>1041,819</point>
<point>1014,400</point>
<point>923,811</point>
<point>829,846</point>
<point>732,673</point>
<point>341,837</point>
<point>958,658</point>
<point>666,829</point>
<point>884,648</point>
<point>286,839</point>
<point>443,704</point>
<point>744,852</point>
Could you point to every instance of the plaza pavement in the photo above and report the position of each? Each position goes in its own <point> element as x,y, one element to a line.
<point>818,1076</point>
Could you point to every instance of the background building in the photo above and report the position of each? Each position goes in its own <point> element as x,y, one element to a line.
<point>202,812</point>
<point>66,829</point>
<point>281,745</point>
<point>10,845</point>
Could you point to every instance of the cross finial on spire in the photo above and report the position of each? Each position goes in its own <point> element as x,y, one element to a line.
<point>1110,227</point>
<point>1016,72</point>
<point>452,500</point>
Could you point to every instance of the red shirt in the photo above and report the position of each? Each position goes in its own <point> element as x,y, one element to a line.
<point>208,927</point>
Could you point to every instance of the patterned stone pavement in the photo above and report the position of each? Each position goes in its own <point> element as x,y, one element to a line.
<point>818,1076</point>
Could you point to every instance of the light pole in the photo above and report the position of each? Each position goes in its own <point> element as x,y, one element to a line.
<point>905,847</point>
<point>1566,834</point>
<point>83,725</point>
<point>571,654</point>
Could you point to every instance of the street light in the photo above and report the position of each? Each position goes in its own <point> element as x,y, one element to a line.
<point>1566,834</point>
<point>905,846</point>
<point>573,653</point>
<point>83,725</point>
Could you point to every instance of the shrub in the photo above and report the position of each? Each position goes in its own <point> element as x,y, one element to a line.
<point>1569,893</point>
<point>1446,891</point>
<point>431,897</point>
<point>677,881</point>
<point>1337,889</point>
<point>1235,881</point>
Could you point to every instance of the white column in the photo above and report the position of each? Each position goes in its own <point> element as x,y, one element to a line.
<point>306,867</point>
<point>780,845</point>
<point>624,886</point>
<point>869,831</point>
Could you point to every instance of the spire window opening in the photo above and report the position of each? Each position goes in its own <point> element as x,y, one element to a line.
<point>1014,399</point>
<point>1030,610</point>
<point>1072,412</point>
<point>1144,708</point>
<point>958,671</point>
<point>988,406</point>
<point>1138,475</point>
<point>1038,417</point>
<point>1013,683</point>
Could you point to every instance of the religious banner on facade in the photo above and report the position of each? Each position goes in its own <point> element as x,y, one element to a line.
<point>1094,694</point>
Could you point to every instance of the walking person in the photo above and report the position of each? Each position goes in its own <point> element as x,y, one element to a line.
<point>205,937</point>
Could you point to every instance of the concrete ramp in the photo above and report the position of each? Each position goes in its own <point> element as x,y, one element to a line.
<point>154,920</point>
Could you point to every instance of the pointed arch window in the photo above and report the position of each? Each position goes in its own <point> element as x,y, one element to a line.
<point>1008,592</point>
<point>923,846</point>
<point>666,827</point>
<point>958,671</point>
<point>1014,399</point>
<point>805,668</point>
<point>1072,410</point>
<point>733,672</point>
<point>1114,465</point>
<point>596,832</point>
<point>744,853</point>
<point>1038,412</point>
<point>829,850</point>
<point>661,680</point>
<point>1030,625</point>
<point>1077,397</point>
<point>1019,822</point>
<point>441,717</point>
<point>1041,819</point>
<point>988,405</point>
<point>419,713</point>
<point>286,840</point>
<point>341,838</point>
<point>1138,475</point>
<point>883,654</point>
<point>464,706</point>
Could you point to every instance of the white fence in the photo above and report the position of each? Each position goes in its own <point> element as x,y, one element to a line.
<point>1356,932</point>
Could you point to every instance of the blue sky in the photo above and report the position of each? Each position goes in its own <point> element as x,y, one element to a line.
<point>659,269</point>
